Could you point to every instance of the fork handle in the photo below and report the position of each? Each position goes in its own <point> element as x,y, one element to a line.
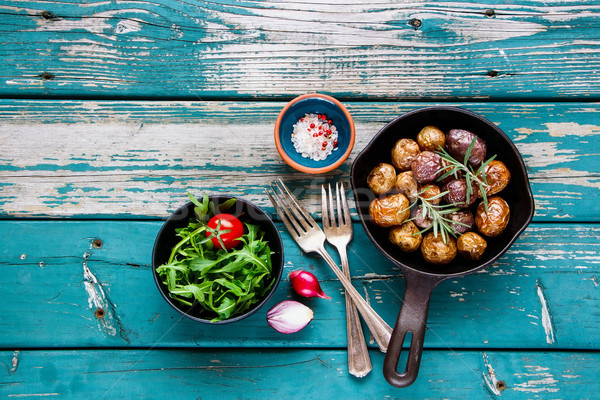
<point>359,362</point>
<point>379,329</point>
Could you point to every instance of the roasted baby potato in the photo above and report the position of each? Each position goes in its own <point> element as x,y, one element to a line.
<point>431,193</point>
<point>497,177</point>
<point>457,193</point>
<point>406,237</point>
<point>427,166</point>
<point>431,138</point>
<point>471,246</point>
<point>382,178</point>
<point>493,222</point>
<point>390,210</point>
<point>403,153</point>
<point>407,185</point>
<point>435,251</point>
<point>458,142</point>
<point>420,217</point>
<point>462,221</point>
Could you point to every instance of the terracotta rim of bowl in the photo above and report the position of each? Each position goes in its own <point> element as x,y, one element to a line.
<point>300,167</point>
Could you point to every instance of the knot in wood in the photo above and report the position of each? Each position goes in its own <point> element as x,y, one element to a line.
<point>48,16</point>
<point>501,385</point>
<point>492,73</point>
<point>99,313</point>
<point>97,243</point>
<point>490,13</point>
<point>47,76</point>
<point>415,23</point>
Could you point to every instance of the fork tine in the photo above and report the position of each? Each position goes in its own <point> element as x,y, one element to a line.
<point>331,207</point>
<point>286,201</point>
<point>324,208</point>
<point>338,200</point>
<point>345,210</point>
<point>290,207</point>
<point>304,217</point>
<point>291,227</point>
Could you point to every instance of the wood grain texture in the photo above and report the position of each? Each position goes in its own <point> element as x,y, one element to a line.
<point>54,280</point>
<point>352,49</point>
<point>291,374</point>
<point>137,159</point>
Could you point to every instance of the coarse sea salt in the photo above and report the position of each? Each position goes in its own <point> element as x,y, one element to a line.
<point>315,136</point>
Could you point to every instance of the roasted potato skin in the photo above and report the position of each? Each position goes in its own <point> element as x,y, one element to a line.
<point>471,246</point>
<point>435,251</point>
<point>407,185</point>
<point>416,214</point>
<point>459,140</point>
<point>406,237</point>
<point>390,210</point>
<point>429,191</point>
<point>493,222</point>
<point>457,193</point>
<point>446,168</point>
<point>382,178</point>
<point>464,217</point>
<point>404,153</point>
<point>427,167</point>
<point>497,177</point>
<point>431,138</point>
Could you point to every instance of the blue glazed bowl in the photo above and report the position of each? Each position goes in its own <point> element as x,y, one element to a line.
<point>314,103</point>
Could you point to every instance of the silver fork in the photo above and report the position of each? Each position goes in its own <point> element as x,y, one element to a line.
<point>305,231</point>
<point>338,232</point>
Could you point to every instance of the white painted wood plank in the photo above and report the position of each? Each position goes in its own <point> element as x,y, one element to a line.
<point>352,48</point>
<point>138,159</point>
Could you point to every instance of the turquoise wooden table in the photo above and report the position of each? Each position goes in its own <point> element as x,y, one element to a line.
<point>111,110</point>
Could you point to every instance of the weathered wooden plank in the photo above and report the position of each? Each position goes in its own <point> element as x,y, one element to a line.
<point>292,374</point>
<point>356,49</point>
<point>542,294</point>
<point>137,159</point>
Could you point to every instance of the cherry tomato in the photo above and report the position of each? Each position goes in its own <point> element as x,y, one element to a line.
<point>227,223</point>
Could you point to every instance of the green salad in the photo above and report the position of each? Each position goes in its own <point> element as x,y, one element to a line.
<point>220,264</point>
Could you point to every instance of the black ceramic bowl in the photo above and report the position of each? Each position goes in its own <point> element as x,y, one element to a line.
<point>246,212</point>
<point>421,277</point>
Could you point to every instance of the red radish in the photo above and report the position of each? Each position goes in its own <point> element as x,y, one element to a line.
<point>306,284</point>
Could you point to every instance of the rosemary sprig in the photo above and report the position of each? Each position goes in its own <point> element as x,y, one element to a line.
<point>472,177</point>
<point>438,213</point>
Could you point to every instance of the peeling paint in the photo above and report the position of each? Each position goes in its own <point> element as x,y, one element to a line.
<point>489,377</point>
<point>546,316</point>
<point>126,26</point>
<point>538,380</point>
<point>562,129</point>
<point>104,309</point>
<point>14,364</point>
<point>96,296</point>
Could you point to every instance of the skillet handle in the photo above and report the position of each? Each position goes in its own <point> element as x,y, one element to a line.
<point>411,319</point>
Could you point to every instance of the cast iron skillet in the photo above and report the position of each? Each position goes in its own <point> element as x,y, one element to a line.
<point>420,276</point>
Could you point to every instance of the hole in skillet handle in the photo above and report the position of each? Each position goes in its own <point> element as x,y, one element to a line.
<point>410,329</point>
<point>403,359</point>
